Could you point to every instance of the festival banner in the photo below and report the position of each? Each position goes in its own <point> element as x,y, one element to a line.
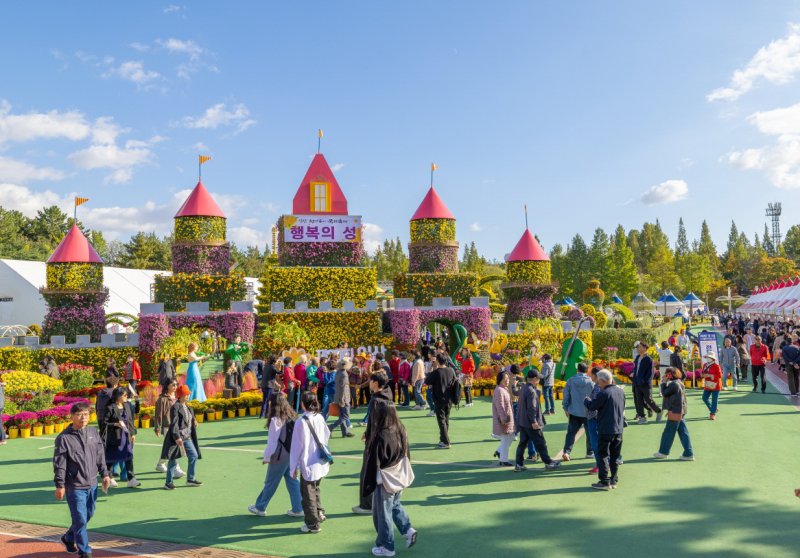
<point>322,228</point>
<point>708,343</point>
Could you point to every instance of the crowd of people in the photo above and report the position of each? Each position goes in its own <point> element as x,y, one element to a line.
<point>304,402</point>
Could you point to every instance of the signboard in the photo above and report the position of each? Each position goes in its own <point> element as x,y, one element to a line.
<point>322,228</point>
<point>350,353</point>
<point>708,343</point>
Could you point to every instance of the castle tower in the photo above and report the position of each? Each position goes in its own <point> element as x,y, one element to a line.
<point>433,247</point>
<point>74,293</point>
<point>433,257</point>
<point>201,258</point>
<point>529,289</point>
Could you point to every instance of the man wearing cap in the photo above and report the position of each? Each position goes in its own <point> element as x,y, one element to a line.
<point>530,423</point>
<point>181,439</point>
<point>712,383</point>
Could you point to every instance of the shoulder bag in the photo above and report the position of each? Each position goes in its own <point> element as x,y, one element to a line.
<point>397,477</point>
<point>324,452</point>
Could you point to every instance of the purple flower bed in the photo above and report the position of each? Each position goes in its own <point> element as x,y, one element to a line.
<point>201,259</point>
<point>523,309</point>
<point>433,259</point>
<point>320,254</point>
<point>72,315</point>
<point>155,328</point>
<point>575,314</point>
<point>405,324</point>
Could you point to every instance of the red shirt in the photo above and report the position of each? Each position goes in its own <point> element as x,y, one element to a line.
<point>394,366</point>
<point>467,365</point>
<point>289,380</point>
<point>713,373</point>
<point>759,355</point>
<point>404,372</point>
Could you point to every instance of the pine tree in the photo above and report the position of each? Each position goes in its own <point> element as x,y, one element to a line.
<point>560,272</point>
<point>682,244</point>
<point>791,243</point>
<point>578,265</point>
<point>707,248</point>
<point>623,277</point>
<point>600,257</point>
<point>769,247</point>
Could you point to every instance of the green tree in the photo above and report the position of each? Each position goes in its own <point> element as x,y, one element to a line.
<point>146,251</point>
<point>694,270</point>
<point>791,243</point>
<point>560,272</point>
<point>577,259</point>
<point>707,248</point>
<point>682,244</point>
<point>769,247</point>
<point>624,277</point>
<point>600,257</point>
<point>661,268</point>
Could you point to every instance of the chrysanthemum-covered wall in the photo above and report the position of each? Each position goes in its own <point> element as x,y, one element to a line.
<point>406,324</point>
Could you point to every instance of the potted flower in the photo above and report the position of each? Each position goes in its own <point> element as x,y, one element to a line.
<point>11,428</point>
<point>241,407</point>
<point>144,418</point>
<point>199,410</point>
<point>230,408</point>
<point>25,420</point>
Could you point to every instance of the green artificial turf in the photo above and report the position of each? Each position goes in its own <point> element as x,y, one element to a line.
<point>736,500</point>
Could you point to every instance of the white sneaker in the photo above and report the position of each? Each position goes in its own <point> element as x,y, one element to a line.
<point>133,483</point>
<point>178,473</point>
<point>687,458</point>
<point>290,513</point>
<point>113,483</point>
<point>161,468</point>
<point>255,511</point>
<point>361,511</point>
<point>380,551</point>
<point>430,414</point>
<point>659,455</point>
<point>735,388</point>
<point>411,537</point>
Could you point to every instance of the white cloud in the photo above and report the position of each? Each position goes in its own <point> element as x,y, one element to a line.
<point>475,227</point>
<point>71,125</point>
<point>669,191</point>
<point>141,47</point>
<point>777,63</point>
<point>13,170</point>
<point>248,236</point>
<point>28,202</point>
<point>200,146</point>
<point>372,235</point>
<point>133,71</point>
<point>190,48</point>
<point>781,160</point>
<point>172,8</point>
<point>195,53</point>
<point>337,167</point>
<point>219,116</point>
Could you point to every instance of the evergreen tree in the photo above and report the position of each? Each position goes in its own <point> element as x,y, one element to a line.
<point>146,251</point>
<point>578,265</point>
<point>791,243</point>
<point>682,244</point>
<point>560,272</point>
<point>623,278</point>
<point>707,248</point>
<point>769,247</point>
<point>600,257</point>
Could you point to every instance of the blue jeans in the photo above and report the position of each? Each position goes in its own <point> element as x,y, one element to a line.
<point>668,437</point>
<point>191,454</point>
<point>276,471</point>
<point>714,395</point>
<point>418,394</point>
<point>81,503</point>
<point>386,508</point>
<point>429,397</point>
<point>404,401</point>
<point>549,403</point>
<point>726,370</point>
<point>343,420</point>
<point>591,431</point>
<point>327,397</point>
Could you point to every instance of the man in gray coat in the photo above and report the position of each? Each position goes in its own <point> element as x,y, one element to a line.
<point>729,361</point>
<point>578,388</point>
<point>342,397</point>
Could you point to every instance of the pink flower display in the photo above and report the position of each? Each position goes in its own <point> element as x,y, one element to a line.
<point>320,254</point>
<point>406,324</point>
<point>522,309</point>
<point>201,259</point>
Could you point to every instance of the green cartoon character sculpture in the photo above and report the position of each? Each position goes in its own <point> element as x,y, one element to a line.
<point>573,351</point>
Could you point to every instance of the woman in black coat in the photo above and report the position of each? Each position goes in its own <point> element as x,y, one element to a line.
<point>120,432</point>
<point>181,439</point>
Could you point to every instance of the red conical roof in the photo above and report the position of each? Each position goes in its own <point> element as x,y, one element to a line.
<point>528,250</point>
<point>319,172</point>
<point>200,204</point>
<point>432,207</point>
<point>74,248</point>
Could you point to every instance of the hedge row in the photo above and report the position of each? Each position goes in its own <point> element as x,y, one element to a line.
<point>624,338</point>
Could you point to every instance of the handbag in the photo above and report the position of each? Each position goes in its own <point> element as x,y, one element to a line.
<point>710,384</point>
<point>397,477</point>
<point>324,452</point>
<point>674,417</point>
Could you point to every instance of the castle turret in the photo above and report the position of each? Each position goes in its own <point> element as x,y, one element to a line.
<point>74,293</point>
<point>529,289</point>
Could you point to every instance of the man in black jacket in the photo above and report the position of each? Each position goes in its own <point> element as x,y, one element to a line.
<point>78,458</point>
<point>791,359</point>
<point>270,377</point>
<point>643,374</point>
<point>610,407</point>
<point>530,423</point>
<point>166,371</point>
<point>441,381</point>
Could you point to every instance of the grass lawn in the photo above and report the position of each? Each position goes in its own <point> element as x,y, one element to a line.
<point>736,500</point>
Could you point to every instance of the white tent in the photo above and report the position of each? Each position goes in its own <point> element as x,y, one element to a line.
<point>22,304</point>
<point>669,305</point>
<point>693,303</point>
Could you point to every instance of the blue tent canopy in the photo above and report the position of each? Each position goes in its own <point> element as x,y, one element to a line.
<point>616,299</point>
<point>667,297</point>
<point>691,297</point>
<point>566,301</point>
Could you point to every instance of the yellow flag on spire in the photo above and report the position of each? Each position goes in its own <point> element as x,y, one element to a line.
<point>80,201</point>
<point>320,133</point>
<point>203,158</point>
<point>434,166</point>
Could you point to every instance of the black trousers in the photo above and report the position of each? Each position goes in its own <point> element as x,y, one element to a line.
<point>609,448</point>
<point>643,399</point>
<point>573,427</point>
<point>364,502</point>
<point>793,377</point>
<point>759,369</point>
<point>537,437</point>
<point>468,394</point>
<point>312,504</point>
<point>443,420</point>
<point>265,403</point>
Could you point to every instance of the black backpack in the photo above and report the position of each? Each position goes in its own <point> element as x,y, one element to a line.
<point>287,431</point>
<point>455,391</point>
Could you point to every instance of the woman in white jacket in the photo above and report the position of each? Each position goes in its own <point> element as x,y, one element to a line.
<point>305,459</point>
<point>281,420</point>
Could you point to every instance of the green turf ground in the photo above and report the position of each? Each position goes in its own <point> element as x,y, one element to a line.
<point>736,500</point>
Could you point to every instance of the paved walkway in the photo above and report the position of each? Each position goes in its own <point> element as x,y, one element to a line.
<point>19,540</point>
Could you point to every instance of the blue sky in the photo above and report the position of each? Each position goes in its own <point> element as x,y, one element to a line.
<point>591,113</point>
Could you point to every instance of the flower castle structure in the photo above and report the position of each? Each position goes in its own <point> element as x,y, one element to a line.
<point>529,289</point>
<point>75,294</point>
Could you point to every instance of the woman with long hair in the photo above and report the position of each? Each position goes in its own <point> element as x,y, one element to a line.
<point>161,419</point>
<point>503,418</point>
<point>387,446</point>
<point>464,357</point>
<point>193,379</point>
<point>281,427</point>
<point>121,433</point>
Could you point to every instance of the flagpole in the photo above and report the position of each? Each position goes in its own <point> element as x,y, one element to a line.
<point>526,216</point>
<point>199,169</point>
<point>431,175</point>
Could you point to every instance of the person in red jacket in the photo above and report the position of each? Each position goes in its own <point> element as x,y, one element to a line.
<point>464,357</point>
<point>133,372</point>
<point>394,367</point>
<point>290,383</point>
<point>712,384</point>
<point>759,356</point>
<point>404,379</point>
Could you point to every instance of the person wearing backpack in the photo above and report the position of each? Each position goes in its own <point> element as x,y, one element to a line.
<point>387,472</point>
<point>279,445</point>
<point>442,382</point>
<point>310,459</point>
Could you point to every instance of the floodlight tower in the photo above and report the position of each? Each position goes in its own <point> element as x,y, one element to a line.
<point>774,211</point>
